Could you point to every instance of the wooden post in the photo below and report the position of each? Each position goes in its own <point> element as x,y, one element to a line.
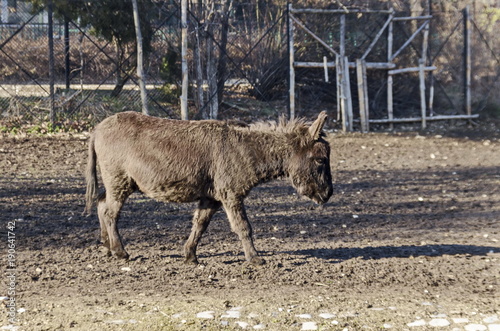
<point>140,60</point>
<point>344,86</point>
<point>291,59</point>
<point>325,68</point>
<point>341,97</point>
<point>338,76</point>
<point>347,94</point>
<point>342,36</point>
<point>362,94</point>
<point>184,65</point>
<point>467,60</point>
<point>390,36</point>
<point>430,62</point>
<point>421,75</point>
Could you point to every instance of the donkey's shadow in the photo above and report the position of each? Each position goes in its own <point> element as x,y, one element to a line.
<point>336,255</point>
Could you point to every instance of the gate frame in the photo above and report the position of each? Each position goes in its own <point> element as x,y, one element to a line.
<point>342,65</point>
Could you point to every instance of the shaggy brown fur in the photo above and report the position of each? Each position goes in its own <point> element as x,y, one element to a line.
<point>213,162</point>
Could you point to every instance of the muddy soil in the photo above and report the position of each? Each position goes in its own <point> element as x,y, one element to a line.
<point>409,240</point>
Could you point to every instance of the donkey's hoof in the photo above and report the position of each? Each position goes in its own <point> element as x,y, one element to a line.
<point>121,255</point>
<point>257,260</point>
<point>191,260</point>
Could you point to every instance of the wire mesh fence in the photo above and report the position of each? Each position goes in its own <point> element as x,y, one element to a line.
<point>324,34</point>
<point>238,63</point>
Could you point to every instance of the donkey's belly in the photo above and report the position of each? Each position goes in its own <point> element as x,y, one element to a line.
<point>174,192</point>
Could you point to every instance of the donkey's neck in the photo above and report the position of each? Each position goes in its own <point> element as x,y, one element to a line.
<point>270,153</point>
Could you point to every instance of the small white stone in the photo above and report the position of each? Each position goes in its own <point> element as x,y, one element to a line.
<point>355,216</point>
<point>494,327</point>
<point>242,325</point>
<point>259,327</point>
<point>9,327</point>
<point>438,316</point>
<point>326,315</point>
<point>253,315</point>
<point>460,320</point>
<point>387,326</point>
<point>416,323</point>
<point>231,314</point>
<point>206,314</point>
<point>115,322</point>
<point>303,232</point>
<point>21,310</point>
<point>309,326</point>
<point>491,319</point>
<point>475,327</point>
<point>224,323</point>
<point>126,269</point>
<point>304,316</point>
<point>439,322</point>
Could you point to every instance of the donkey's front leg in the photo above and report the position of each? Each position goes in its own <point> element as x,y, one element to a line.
<point>238,219</point>
<point>202,216</point>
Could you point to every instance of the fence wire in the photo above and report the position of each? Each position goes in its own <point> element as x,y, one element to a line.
<point>240,62</point>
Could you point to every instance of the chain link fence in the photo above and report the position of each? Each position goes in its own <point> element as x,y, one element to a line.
<point>316,86</point>
<point>238,61</point>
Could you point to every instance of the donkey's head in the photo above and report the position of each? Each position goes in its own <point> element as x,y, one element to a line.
<point>309,167</point>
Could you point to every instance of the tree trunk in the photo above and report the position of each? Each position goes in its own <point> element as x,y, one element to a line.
<point>121,79</point>
<point>199,76</point>
<point>140,61</point>
<point>184,65</point>
<point>222,65</point>
<point>212,100</point>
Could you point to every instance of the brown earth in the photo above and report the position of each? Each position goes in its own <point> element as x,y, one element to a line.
<point>410,234</point>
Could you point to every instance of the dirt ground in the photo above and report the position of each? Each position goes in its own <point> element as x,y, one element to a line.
<point>409,240</point>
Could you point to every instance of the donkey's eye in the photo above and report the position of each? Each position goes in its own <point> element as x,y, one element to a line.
<point>319,161</point>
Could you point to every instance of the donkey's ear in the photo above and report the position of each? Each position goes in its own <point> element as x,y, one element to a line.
<point>317,126</point>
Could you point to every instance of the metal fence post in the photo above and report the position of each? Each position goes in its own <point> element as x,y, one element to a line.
<point>50,35</point>
<point>467,61</point>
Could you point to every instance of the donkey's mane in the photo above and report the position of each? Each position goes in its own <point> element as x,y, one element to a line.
<point>281,126</point>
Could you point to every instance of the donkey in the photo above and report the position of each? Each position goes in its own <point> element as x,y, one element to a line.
<point>213,162</point>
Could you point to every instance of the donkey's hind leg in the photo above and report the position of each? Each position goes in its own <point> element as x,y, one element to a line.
<point>202,216</point>
<point>108,210</point>
<point>104,230</point>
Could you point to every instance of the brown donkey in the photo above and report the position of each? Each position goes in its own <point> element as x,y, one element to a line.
<point>213,162</point>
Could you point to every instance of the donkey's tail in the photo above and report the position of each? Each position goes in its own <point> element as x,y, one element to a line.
<point>91,177</point>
